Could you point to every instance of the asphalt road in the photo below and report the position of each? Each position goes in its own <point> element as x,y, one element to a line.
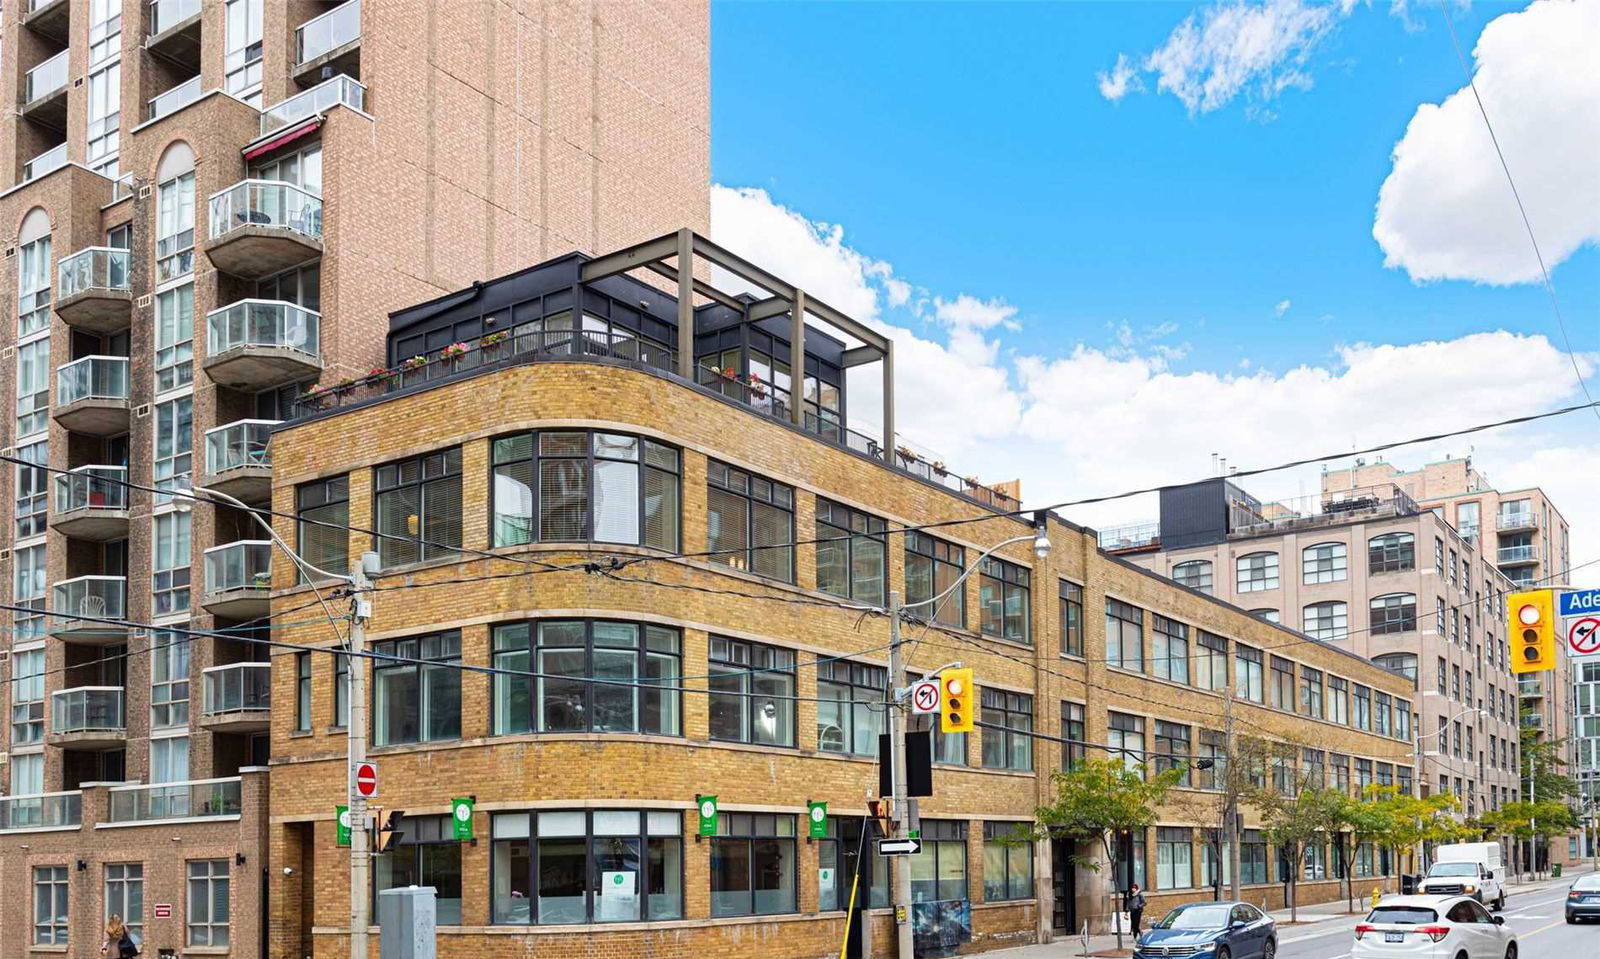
<point>1536,917</point>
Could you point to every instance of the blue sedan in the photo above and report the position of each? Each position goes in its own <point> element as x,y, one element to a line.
<point>1211,930</point>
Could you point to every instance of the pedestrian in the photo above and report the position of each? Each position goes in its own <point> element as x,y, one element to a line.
<point>119,942</point>
<point>1135,907</point>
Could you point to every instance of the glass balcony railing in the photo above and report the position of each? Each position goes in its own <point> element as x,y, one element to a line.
<point>318,99</point>
<point>246,564</point>
<point>87,709</point>
<point>122,188</point>
<point>330,31</point>
<point>266,203</point>
<point>92,487</point>
<point>182,800</point>
<point>238,445</point>
<point>164,14</point>
<point>1520,519</point>
<point>41,811</point>
<point>1516,554</point>
<point>46,78</point>
<point>94,268</point>
<point>97,597</point>
<point>175,99</point>
<point>52,159</point>
<point>237,688</point>
<point>263,323</point>
<point>92,378</point>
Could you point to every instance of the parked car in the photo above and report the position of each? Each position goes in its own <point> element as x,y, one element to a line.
<point>1583,898</point>
<point>1438,927</point>
<point>1211,930</point>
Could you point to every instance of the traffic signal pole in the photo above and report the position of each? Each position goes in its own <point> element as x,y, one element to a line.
<point>904,947</point>
<point>356,743</point>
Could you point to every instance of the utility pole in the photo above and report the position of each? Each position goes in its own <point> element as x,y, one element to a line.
<point>356,742</point>
<point>897,772</point>
<point>1230,814</point>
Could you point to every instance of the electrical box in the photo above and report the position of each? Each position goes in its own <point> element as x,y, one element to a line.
<point>408,922</point>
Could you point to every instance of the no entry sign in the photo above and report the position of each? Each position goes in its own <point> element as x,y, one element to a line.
<point>366,776</point>
<point>1583,636</point>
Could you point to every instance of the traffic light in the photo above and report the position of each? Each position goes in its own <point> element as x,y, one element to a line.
<point>1532,631</point>
<point>389,833</point>
<point>957,698</point>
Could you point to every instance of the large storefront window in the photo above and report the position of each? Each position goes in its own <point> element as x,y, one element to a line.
<point>753,865</point>
<point>845,851</point>
<point>594,676</point>
<point>595,866</point>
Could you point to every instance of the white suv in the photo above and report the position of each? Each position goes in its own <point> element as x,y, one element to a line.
<point>1433,926</point>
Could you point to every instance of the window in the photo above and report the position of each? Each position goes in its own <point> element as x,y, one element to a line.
<point>174,337</point>
<point>1247,678</point>
<point>1011,747</point>
<point>33,387</point>
<point>940,870</point>
<point>1174,865</point>
<point>27,697</point>
<point>1325,563</point>
<point>1382,713</point>
<point>427,855</point>
<point>1007,866</point>
<point>125,895</point>
<point>1071,619</point>
<point>33,498</point>
<point>174,445</point>
<point>1210,661</point>
<point>302,692</point>
<point>1195,574</point>
<point>418,505</point>
<point>590,487</point>
<point>1391,553</point>
<point>34,276</point>
<point>27,775</point>
<point>50,905</point>
<point>242,60</point>
<point>1393,613</point>
<point>1338,701</point>
<point>949,748</point>
<point>1311,691</point>
<point>1172,749</point>
<point>1438,555</point>
<point>105,98</point>
<point>850,716</point>
<point>1252,858</point>
<point>1213,746</point>
<point>416,689</point>
<point>1341,773</point>
<point>1004,609</point>
<point>933,568</point>
<point>1258,572</point>
<point>169,678</point>
<point>841,855</point>
<point>753,865</point>
<point>1329,622</point>
<point>1215,862</point>
<point>542,864</point>
<point>1467,687</point>
<point>175,228</point>
<point>169,763</point>
<point>208,902</point>
<point>1283,693</point>
<point>341,688</point>
<point>1444,672</point>
<point>1362,717</point>
<point>27,592</point>
<point>1124,872</point>
<point>1073,730</point>
<point>593,676</point>
<point>851,560</point>
<point>1455,683</point>
<point>171,564</point>
<point>1124,636</point>
<point>1125,738</point>
<point>324,509</point>
<point>752,693</point>
<point>1403,663</point>
<point>1169,649</point>
<point>750,525</point>
<point>301,285</point>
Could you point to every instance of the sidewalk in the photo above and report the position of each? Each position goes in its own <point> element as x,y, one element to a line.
<point>1071,947</point>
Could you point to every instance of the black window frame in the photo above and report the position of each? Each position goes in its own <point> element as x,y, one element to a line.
<point>315,541</point>
<point>940,838</point>
<point>505,454</point>
<point>1285,692</point>
<point>1004,708</point>
<point>1392,552</point>
<point>409,653</point>
<point>1016,887</point>
<point>1012,581</point>
<point>506,647</point>
<point>1169,737</point>
<point>302,691</point>
<point>1389,622</point>
<point>855,677</point>
<point>1071,601</point>
<point>434,471</point>
<point>756,833</point>
<point>1165,634</point>
<point>1074,730</point>
<point>944,564</point>
<point>420,835</point>
<point>758,495</point>
<point>745,662</point>
<point>1204,580</point>
<point>1127,617</point>
<point>837,531</point>
<point>592,864</point>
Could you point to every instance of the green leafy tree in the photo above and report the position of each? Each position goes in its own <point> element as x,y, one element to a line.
<point>1417,821</point>
<point>1530,823</point>
<point>1358,820</point>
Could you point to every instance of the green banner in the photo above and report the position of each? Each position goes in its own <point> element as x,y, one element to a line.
<point>817,816</point>
<point>461,817</point>
<point>707,806</point>
<point>341,825</point>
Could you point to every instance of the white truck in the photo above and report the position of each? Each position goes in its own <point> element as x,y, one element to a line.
<point>1467,869</point>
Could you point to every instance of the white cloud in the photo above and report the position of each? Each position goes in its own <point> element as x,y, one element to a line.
<point>1446,212</point>
<point>1282,307</point>
<point>967,310</point>
<point>1120,80</point>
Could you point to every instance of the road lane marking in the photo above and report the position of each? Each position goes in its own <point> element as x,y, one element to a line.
<point>1529,935</point>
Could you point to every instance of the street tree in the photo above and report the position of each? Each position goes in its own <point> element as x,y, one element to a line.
<point>1356,820</point>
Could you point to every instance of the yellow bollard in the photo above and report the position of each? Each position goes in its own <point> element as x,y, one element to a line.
<point>1374,897</point>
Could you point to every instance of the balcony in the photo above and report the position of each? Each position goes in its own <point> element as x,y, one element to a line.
<point>47,162</point>
<point>1508,555</point>
<point>94,290</point>
<point>92,395</point>
<point>174,99</point>
<point>87,717</point>
<point>331,40</point>
<point>261,344</point>
<point>238,698</point>
<point>92,503</point>
<point>195,799</point>
<point>175,32</point>
<point>1518,520</point>
<point>49,18</point>
<point>1530,688</point>
<point>319,99</point>
<point>41,811</point>
<point>238,461</point>
<point>81,606</point>
<point>44,92</point>
<point>238,579</point>
<point>263,227</point>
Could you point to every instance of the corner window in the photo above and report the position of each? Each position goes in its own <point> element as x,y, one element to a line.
<point>752,693</point>
<point>850,715</point>
<point>1329,622</point>
<point>1071,619</point>
<point>323,508</point>
<point>1195,574</point>
<point>1393,613</point>
<point>1394,553</point>
<point>1325,563</point>
<point>1258,572</point>
<point>1003,599</point>
<point>932,569</point>
<point>418,506</point>
<point>585,487</point>
<point>1169,649</point>
<point>428,854</point>
<point>591,676</point>
<point>416,689</point>
<point>580,867</point>
<point>750,522</point>
<point>1011,747</point>
<point>851,560</point>
<point>208,903</point>
<point>753,865</point>
<point>1124,636</point>
<point>1007,863</point>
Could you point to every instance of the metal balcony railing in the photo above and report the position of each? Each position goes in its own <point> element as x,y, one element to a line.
<point>94,268</point>
<point>92,487</point>
<point>97,597</point>
<point>85,709</point>
<point>181,800</point>
<point>52,159</point>
<point>41,810</point>
<point>164,14</point>
<point>327,32</point>
<point>246,564</point>
<point>46,78</point>
<point>318,99</point>
<point>266,203</point>
<point>238,687</point>
<point>92,378</point>
<point>263,323</point>
<point>174,99</point>
<point>239,445</point>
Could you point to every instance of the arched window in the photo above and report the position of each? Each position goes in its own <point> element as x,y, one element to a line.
<point>1195,574</point>
<point>1394,613</point>
<point>1327,621</point>
<point>1391,553</point>
<point>1403,663</point>
<point>563,486</point>
<point>1325,563</point>
<point>1257,572</point>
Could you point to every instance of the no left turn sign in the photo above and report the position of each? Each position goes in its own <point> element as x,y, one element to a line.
<point>925,696</point>
<point>1583,638</point>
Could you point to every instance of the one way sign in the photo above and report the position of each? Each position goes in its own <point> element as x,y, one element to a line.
<point>899,847</point>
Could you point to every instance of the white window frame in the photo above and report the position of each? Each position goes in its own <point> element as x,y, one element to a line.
<point>242,44</point>
<point>171,559</point>
<point>33,491</point>
<point>174,337</point>
<point>120,879</point>
<point>169,679</point>
<point>33,388</point>
<point>175,228</point>
<point>104,118</point>
<point>174,465</point>
<point>165,753</point>
<point>27,696</point>
<point>34,284</point>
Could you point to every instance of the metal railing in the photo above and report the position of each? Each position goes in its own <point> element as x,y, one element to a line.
<point>1131,536</point>
<point>92,487</point>
<point>1515,554</point>
<point>46,78</point>
<point>164,14</point>
<point>239,445</point>
<point>327,32</point>
<point>87,709</point>
<point>174,99</point>
<point>93,268</point>
<point>182,800</point>
<point>1520,519</point>
<point>237,688</point>
<point>52,159</point>
<point>319,99</point>
<point>263,323</point>
<point>92,378</point>
<point>1317,509</point>
<point>98,597</point>
<point>41,810</point>
<point>246,564</point>
<point>266,203</point>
